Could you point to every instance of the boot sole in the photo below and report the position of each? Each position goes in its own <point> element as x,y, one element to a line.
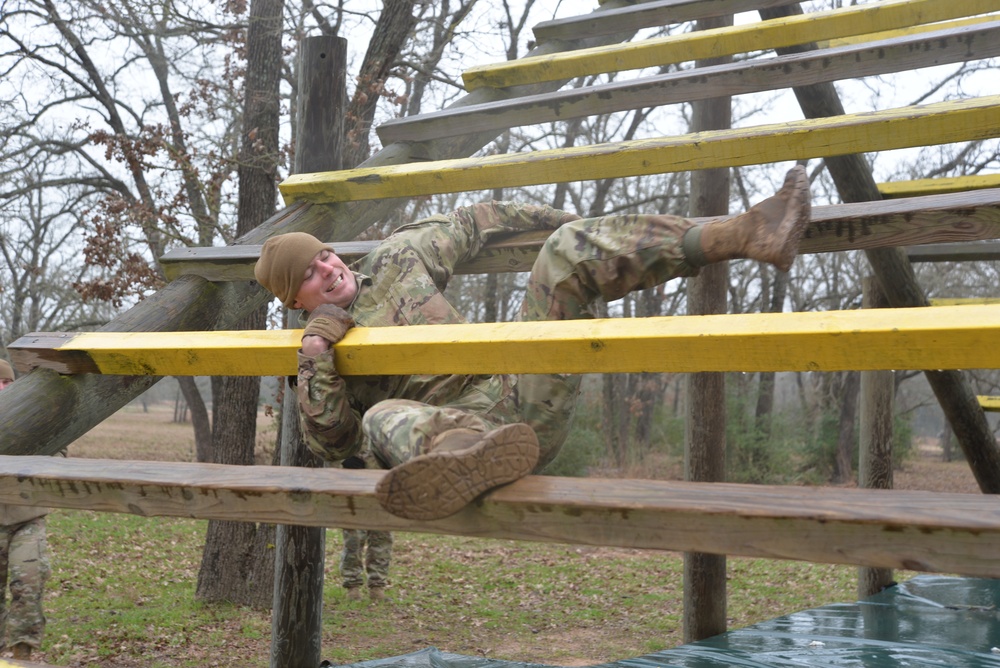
<point>439,484</point>
<point>797,217</point>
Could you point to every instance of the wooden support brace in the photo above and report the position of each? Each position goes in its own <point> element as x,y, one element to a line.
<point>941,123</point>
<point>957,533</point>
<point>965,252</point>
<point>756,36</point>
<point>946,337</point>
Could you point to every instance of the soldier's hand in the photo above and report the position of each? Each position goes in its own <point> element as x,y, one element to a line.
<point>328,323</point>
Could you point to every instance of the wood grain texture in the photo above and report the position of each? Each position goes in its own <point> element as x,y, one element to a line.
<point>937,186</point>
<point>746,38</point>
<point>945,337</point>
<point>944,122</point>
<point>922,531</point>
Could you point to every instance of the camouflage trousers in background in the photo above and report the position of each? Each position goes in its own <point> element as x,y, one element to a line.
<point>355,561</point>
<point>581,262</point>
<point>24,569</point>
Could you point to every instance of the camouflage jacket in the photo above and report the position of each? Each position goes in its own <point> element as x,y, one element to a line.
<point>401,283</point>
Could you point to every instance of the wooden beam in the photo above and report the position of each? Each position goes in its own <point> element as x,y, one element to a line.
<point>912,30</point>
<point>964,252</point>
<point>899,222</point>
<point>991,404</point>
<point>944,122</point>
<point>951,184</point>
<point>645,15</point>
<point>748,76</point>
<point>956,533</point>
<point>747,38</point>
<point>947,337</point>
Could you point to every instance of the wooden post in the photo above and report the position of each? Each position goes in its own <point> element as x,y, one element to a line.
<point>875,451</point>
<point>705,442</point>
<point>297,616</point>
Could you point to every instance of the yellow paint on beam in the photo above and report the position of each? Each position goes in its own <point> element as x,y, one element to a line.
<point>947,337</point>
<point>940,123</point>
<point>939,186</point>
<point>990,404</point>
<point>906,32</point>
<point>758,36</point>
<point>963,301</point>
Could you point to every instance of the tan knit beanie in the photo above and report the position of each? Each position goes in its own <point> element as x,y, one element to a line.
<point>283,263</point>
<point>6,371</point>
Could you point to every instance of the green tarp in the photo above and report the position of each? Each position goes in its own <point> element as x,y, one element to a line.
<point>944,622</point>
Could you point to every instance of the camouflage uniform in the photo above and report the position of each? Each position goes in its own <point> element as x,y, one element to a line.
<point>401,283</point>
<point>23,553</point>
<point>355,562</point>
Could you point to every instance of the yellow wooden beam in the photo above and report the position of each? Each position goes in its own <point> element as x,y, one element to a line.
<point>946,337</point>
<point>963,301</point>
<point>938,186</point>
<point>944,122</point>
<point>757,36</point>
<point>904,32</point>
<point>991,404</point>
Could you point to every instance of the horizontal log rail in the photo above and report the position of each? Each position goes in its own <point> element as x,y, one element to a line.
<point>988,251</point>
<point>951,184</point>
<point>946,337</point>
<point>958,533</point>
<point>905,127</point>
<point>900,222</point>
<point>989,403</point>
<point>645,15</point>
<point>748,76</point>
<point>756,36</point>
<point>911,30</point>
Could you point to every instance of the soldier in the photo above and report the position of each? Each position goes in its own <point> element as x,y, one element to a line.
<point>448,438</point>
<point>24,568</point>
<point>366,554</point>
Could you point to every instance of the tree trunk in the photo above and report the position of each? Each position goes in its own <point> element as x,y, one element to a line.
<point>238,559</point>
<point>199,418</point>
<point>766,387</point>
<point>843,469</point>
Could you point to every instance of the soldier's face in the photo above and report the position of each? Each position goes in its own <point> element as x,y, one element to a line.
<point>4,382</point>
<point>327,281</point>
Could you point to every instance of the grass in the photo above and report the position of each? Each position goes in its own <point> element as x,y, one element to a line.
<point>122,591</point>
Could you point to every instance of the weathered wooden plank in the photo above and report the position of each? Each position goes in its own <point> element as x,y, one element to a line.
<point>645,15</point>
<point>950,184</point>
<point>967,252</point>
<point>990,403</point>
<point>899,222</point>
<point>944,122</point>
<point>748,76</point>
<point>746,38</point>
<point>958,533</point>
<point>947,337</point>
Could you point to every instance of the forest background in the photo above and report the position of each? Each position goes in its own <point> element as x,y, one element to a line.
<point>129,128</point>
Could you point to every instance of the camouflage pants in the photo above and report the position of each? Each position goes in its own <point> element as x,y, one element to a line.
<point>355,561</point>
<point>24,568</point>
<point>581,262</point>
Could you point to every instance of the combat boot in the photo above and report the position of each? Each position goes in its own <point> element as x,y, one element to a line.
<point>354,594</point>
<point>377,594</point>
<point>22,651</point>
<point>459,466</point>
<point>769,232</point>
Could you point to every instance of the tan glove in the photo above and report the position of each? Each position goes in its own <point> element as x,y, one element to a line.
<point>329,322</point>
